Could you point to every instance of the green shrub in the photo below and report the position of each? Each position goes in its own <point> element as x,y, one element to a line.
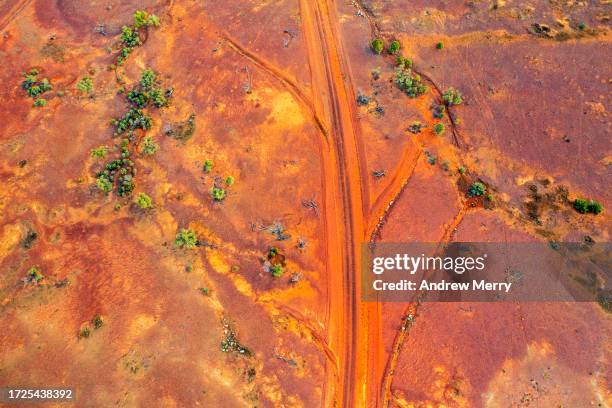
<point>587,206</point>
<point>452,97</point>
<point>97,322</point>
<point>439,45</point>
<point>377,45</point>
<point>403,62</point>
<point>34,274</point>
<point>186,238</point>
<point>277,270</point>
<point>148,79</point>
<point>104,184</point>
<point>149,147</point>
<point>85,85</point>
<point>595,207</point>
<point>477,189</point>
<point>143,19</point>
<point>38,103</point>
<point>132,120</point>
<point>33,86</point>
<point>394,47</point>
<point>229,180</point>
<point>208,166</point>
<point>409,82</point>
<point>217,193</point>
<point>461,170</point>
<point>439,128</point>
<point>99,152</point>
<point>144,201</point>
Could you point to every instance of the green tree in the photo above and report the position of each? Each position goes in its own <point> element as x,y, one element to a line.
<point>394,47</point>
<point>186,238</point>
<point>217,193</point>
<point>85,85</point>
<point>377,45</point>
<point>149,147</point>
<point>144,201</point>
<point>477,189</point>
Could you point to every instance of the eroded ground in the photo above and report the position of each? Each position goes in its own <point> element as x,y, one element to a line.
<point>288,99</point>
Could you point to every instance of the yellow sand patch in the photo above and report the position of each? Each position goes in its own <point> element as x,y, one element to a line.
<point>11,234</point>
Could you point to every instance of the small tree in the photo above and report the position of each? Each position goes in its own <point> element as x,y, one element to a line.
<point>208,166</point>
<point>217,193</point>
<point>85,85</point>
<point>452,97</point>
<point>377,45</point>
<point>99,152</point>
<point>394,47</point>
<point>186,238</point>
<point>149,147</point>
<point>144,201</point>
<point>477,189</point>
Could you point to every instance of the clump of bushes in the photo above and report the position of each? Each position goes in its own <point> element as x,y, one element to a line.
<point>186,238</point>
<point>394,47</point>
<point>130,36</point>
<point>148,91</point>
<point>587,206</point>
<point>33,86</point>
<point>409,82</point>
<point>377,45</point>
<point>403,62</point>
<point>477,189</point>
<point>452,97</point>
<point>132,120</point>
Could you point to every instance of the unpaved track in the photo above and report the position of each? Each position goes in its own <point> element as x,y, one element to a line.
<point>345,201</point>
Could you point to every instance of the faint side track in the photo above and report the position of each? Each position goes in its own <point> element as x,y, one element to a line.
<point>295,89</point>
<point>13,12</point>
<point>409,317</point>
